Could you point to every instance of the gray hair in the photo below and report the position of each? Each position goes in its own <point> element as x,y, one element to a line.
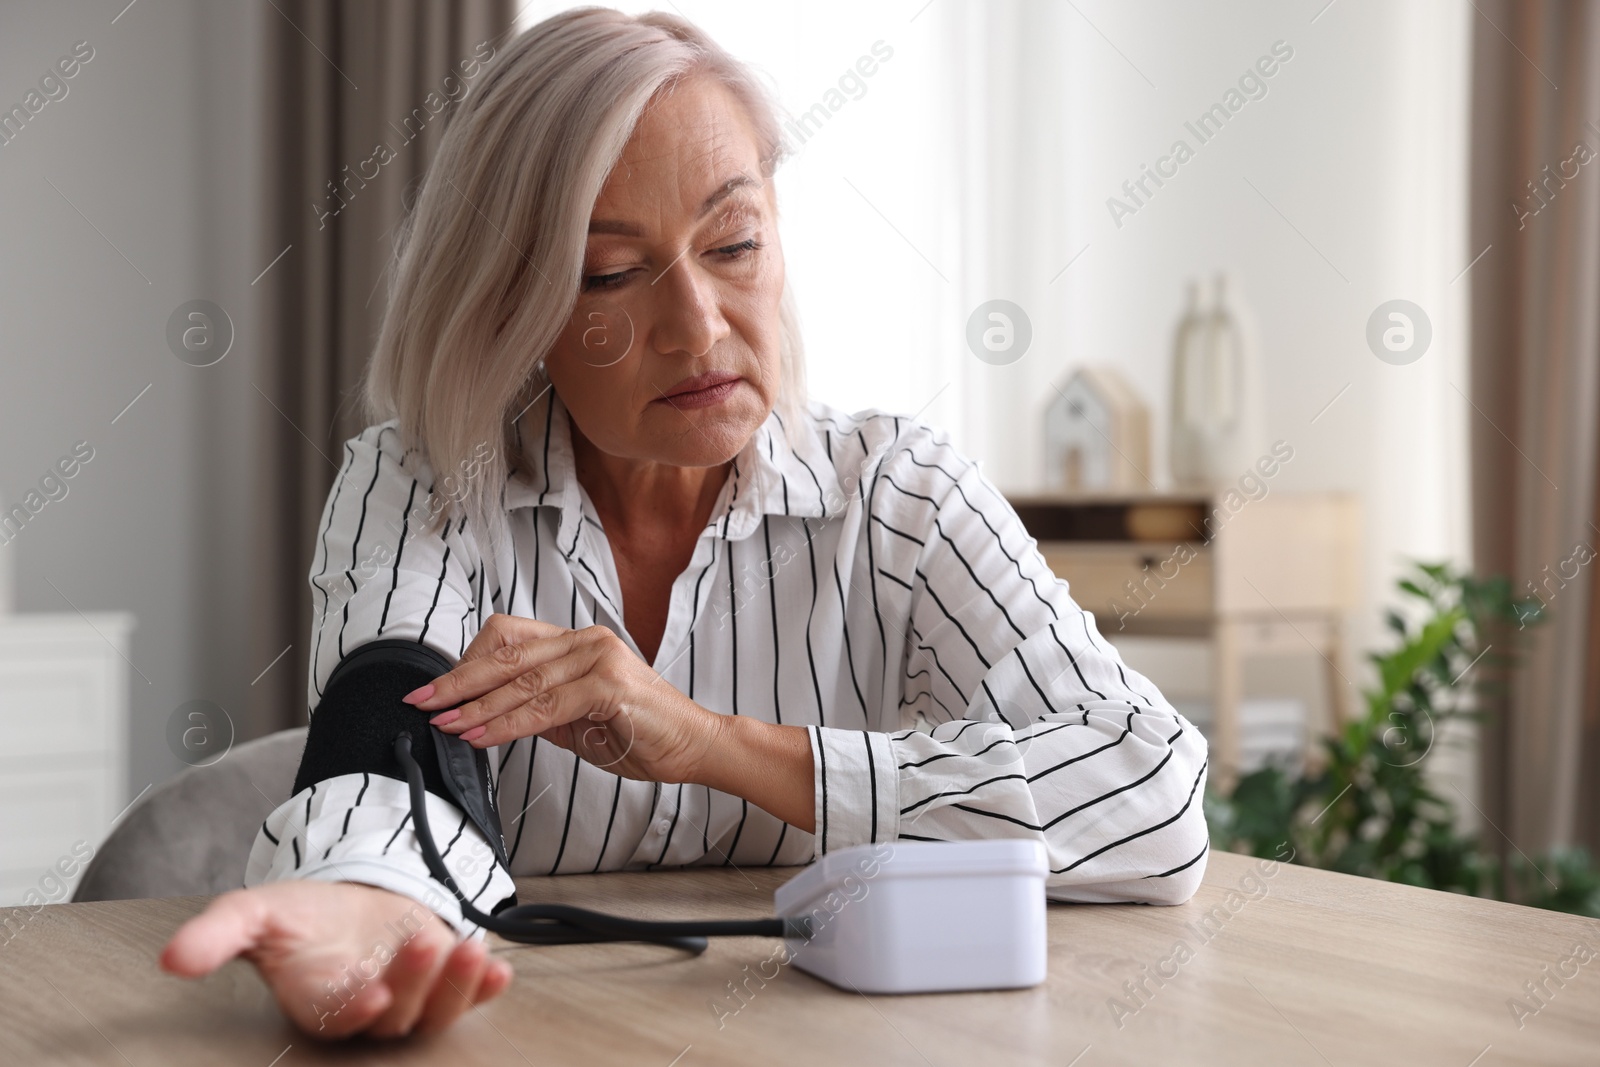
<point>488,265</point>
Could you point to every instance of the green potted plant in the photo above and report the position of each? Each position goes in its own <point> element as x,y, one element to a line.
<point>1363,806</point>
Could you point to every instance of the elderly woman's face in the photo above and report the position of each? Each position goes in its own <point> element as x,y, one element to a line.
<point>671,354</point>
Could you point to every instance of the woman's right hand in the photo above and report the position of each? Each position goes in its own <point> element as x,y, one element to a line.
<point>342,957</point>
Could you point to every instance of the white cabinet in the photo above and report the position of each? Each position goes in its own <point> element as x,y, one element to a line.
<point>63,745</point>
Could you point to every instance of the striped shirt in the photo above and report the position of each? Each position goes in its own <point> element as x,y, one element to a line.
<point>859,577</point>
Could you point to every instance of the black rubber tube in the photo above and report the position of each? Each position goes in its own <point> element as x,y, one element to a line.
<point>560,924</point>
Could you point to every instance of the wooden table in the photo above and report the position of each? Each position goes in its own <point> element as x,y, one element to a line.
<point>1310,968</point>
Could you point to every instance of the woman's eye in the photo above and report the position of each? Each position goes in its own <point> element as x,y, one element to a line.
<point>604,281</point>
<point>737,251</point>
<point>593,282</point>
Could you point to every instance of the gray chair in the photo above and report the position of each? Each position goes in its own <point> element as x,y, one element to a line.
<point>191,835</point>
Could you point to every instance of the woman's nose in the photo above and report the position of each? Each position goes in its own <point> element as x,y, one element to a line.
<point>689,317</point>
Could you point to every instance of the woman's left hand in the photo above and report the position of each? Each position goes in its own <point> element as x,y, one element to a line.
<point>584,690</point>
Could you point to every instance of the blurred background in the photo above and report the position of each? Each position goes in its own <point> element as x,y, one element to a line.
<point>1131,255</point>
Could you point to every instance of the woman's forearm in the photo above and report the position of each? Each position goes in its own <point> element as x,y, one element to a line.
<point>766,764</point>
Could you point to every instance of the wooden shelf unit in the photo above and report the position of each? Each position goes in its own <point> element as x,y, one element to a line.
<point>1273,576</point>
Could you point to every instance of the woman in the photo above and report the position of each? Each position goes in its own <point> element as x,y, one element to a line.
<point>694,619</point>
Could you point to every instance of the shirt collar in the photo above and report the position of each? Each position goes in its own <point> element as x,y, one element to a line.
<point>781,470</point>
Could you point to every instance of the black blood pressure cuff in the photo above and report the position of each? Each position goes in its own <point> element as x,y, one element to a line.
<point>361,714</point>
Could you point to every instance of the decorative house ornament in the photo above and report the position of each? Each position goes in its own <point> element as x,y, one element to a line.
<point>1097,434</point>
<point>1216,410</point>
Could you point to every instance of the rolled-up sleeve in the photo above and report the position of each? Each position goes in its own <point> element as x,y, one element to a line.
<point>359,828</point>
<point>1041,730</point>
<point>856,785</point>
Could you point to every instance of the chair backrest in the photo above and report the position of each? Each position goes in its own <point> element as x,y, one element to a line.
<point>191,835</point>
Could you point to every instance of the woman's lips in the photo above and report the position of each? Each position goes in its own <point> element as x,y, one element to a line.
<point>701,391</point>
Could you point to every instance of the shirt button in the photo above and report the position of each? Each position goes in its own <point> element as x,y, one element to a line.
<point>662,826</point>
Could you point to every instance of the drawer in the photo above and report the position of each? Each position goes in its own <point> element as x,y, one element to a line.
<point>1263,553</point>
<point>1169,582</point>
<point>55,701</point>
<point>43,814</point>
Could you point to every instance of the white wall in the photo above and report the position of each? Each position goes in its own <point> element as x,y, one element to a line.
<point>154,144</point>
<point>1360,144</point>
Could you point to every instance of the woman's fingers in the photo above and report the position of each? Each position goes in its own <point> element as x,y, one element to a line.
<point>231,924</point>
<point>410,976</point>
<point>497,975</point>
<point>474,678</point>
<point>342,1018</point>
<point>499,630</point>
<point>568,705</point>
<point>528,689</point>
<point>456,988</point>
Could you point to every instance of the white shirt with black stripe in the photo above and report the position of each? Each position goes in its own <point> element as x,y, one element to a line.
<point>858,577</point>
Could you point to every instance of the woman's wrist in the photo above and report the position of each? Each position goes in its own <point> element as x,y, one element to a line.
<point>769,765</point>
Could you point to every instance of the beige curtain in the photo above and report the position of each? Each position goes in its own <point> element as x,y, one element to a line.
<point>1535,345</point>
<point>343,79</point>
